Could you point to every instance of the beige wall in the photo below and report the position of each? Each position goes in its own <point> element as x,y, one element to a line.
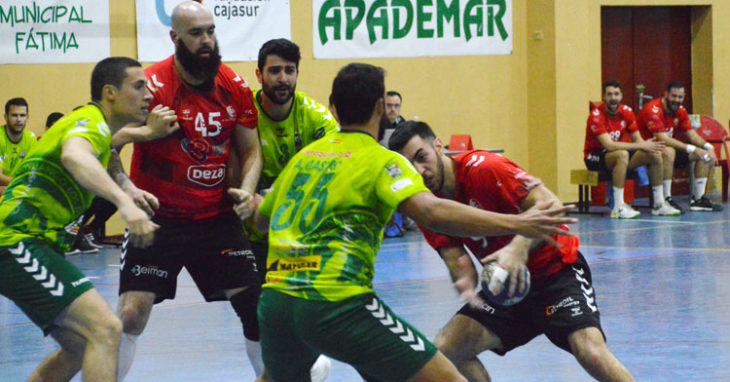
<point>531,103</point>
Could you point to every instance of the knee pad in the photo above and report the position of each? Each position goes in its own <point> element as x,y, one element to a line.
<point>245,305</point>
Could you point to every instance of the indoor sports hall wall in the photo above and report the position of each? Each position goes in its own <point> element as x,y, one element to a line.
<point>531,103</point>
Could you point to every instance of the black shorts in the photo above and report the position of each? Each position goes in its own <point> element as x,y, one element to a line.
<point>260,250</point>
<point>558,306</point>
<point>681,159</point>
<point>596,161</point>
<point>215,252</point>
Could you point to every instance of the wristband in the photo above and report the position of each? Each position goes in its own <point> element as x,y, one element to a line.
<point>707,146</point>
<point>691,148</point>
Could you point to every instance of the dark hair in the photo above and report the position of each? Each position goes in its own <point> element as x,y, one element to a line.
<point>612,83</point>
<point>355,91</point>
<point>674,85</point>
<point>391,93</point>
<point>407,130</point>
<point>281,47</point>
<point>110,71</point>
<point>52,118</point>
<point>18,101</point>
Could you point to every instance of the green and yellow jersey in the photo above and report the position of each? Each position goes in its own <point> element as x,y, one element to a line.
<point>11,154</point>
<point>307,121</point>
<point>43,200</point>
<point>327,211</point>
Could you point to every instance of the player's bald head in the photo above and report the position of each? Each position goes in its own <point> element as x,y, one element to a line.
<point>188,11</point>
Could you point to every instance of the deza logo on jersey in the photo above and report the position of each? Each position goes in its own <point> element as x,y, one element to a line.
<point>207,175</point>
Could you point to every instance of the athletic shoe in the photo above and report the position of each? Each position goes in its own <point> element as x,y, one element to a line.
<point>91,240</point>
<point>624,212</point>
<point>665,209</point>
<point>321,369</point>
<point>704,204</point>
<point>82,246</point>
<point>674,204</point>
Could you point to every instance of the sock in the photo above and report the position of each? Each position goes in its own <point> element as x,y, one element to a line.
<point>253,349</point>
<point>127,349</point>
<point>657,191</point>
<point>321,369</point>
<point>667,184</point>
<point>699,187</point>
<point>618,197</point>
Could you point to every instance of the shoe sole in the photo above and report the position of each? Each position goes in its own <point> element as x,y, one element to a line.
<point>703,209</point>
<point>655,214</point>
<point>627,217</point>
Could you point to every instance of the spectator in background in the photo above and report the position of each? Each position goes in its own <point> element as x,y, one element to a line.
<point>614,145</point>
<point>17,141</point>
<point>393,102</point>
<point>52,118</point>
<point>659,118</point>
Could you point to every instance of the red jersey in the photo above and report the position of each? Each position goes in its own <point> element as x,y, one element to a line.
<point>653,119</point>
<point>618,127</point>
<point>492,182</point>
<point>186,170</point>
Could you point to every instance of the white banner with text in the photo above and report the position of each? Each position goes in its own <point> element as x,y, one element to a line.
<point>53,31</point>
<point>241,26</point>
<point>411,28</point>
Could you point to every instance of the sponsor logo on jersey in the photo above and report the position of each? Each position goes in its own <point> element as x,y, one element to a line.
<point>150,270</point>
<point>394,171</point>
<point>207,175</point>
<point>304,263</point>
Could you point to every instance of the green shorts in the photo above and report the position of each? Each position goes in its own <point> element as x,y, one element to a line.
<point>40,281</point>
<point>361,331</point>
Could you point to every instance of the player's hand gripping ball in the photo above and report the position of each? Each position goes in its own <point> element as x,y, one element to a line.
<point>496,285</point>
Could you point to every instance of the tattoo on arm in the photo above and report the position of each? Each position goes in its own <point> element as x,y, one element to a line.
<point>116,169</point>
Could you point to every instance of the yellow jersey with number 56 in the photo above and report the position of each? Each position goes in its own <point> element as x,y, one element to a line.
<point>327,210</point>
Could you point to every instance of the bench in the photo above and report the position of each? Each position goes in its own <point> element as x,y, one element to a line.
<point>595,183</point>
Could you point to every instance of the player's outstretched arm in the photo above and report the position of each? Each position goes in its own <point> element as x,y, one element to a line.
<point>161,122</point>
<point>79,158</point>
<point>456,219</point>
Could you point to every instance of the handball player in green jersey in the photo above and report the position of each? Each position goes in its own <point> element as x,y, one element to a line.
<point>325,214</point>
<point>40,213</point>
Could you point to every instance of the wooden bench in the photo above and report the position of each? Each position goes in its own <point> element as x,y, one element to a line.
<point>587,180</point>
<point>584,178</point>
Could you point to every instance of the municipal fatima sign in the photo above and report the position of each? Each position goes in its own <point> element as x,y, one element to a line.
<point>53,31</point>
<point>411,28</point>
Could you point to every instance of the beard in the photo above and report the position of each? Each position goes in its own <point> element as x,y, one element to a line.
<point>384,124</point>
<point>204,69</point>
<point>440,170</point>
<point>270,92</point>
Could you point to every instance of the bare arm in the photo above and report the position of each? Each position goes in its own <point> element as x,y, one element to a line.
<point>637,144</point>
<point>514,256</point>
<point>160,123</point>
<point>4,179</point>
<point>251,162</point>
<point>79,159</point>
<point>456,219</point>
<point>142,199</point>
<point>697,153</point>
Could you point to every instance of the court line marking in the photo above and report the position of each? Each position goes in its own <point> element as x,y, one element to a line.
<point>635,229</point>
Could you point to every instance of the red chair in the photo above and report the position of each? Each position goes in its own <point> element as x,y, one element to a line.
<point>713,132</point>
<point>460,142</point>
